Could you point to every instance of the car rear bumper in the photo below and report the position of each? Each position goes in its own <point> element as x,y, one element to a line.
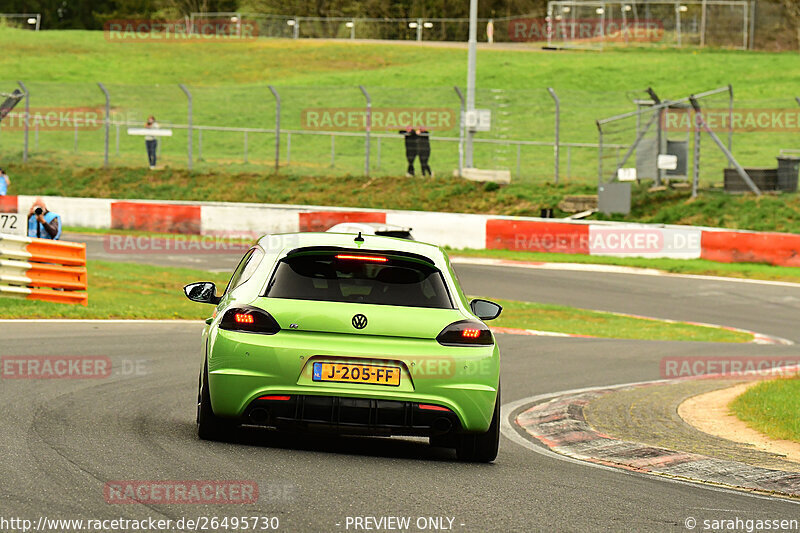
<point>351,416</point>
<point>242,369</point>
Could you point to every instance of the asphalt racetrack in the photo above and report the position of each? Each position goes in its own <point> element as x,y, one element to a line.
<point>63,440</point>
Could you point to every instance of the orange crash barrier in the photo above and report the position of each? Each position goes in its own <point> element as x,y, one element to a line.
<point>42,269</point>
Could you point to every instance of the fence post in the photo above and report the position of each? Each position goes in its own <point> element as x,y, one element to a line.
<point>27,119</point>
<point>741,171</point>
<point>277,126</point>
<point>599,154</point>
<point>107,123</point>
<point>557,143</point>
<point>703,23</point>
<point>678,23</point>
<point>696,163</point>
<point>369,127</point>
<point>190,133</point>
<point>730,121</point>
<point>200,144</point>
<point>460,132</point>
<point>419,29</point>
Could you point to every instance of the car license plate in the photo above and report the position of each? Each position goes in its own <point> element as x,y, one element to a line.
<point>350,373</point>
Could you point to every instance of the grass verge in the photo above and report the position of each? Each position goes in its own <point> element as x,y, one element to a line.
<point>125,290</point>
<point>562,319</point>
<point>771,407</point>
<point>131,291</point>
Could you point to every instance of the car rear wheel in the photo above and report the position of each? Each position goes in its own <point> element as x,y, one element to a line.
<point>209,425</point>
<point>482,447</point>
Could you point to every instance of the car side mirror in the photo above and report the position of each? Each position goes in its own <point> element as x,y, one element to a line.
<point>204,292</point>
<point>484,309</point>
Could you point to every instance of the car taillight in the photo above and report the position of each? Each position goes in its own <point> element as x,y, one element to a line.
<point>249,320</point>
<point>465,333</point>
<point>374,258</point>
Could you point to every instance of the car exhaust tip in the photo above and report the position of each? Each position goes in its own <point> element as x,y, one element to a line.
<point>259,416</point>
<point>441,426</point>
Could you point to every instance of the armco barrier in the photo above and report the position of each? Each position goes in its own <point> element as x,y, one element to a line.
<point>751,247</point>
<point>8,204</point>
<point>42,269</point>
<point>163,218</point>
<point>456,230</point>
<point>322,220</point>
<point>537,236</point>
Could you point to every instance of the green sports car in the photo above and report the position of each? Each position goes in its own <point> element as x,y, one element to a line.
<point>356,335</point>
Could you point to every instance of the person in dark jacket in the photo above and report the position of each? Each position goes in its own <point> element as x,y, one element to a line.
<point>424,150</point>
<point>411,148</point>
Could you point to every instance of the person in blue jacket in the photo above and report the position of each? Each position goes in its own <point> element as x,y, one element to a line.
<point>42,223</point>
<point>4,182</point>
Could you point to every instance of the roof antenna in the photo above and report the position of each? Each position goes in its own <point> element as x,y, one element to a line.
<point>359,238</point>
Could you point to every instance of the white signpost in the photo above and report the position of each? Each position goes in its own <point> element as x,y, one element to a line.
<point>13,223</point>
<point>150,131</point>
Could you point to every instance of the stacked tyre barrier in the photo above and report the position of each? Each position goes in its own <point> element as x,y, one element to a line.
<point>43,269</point>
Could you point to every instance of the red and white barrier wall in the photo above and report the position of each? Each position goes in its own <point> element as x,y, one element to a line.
<point>456,230</point>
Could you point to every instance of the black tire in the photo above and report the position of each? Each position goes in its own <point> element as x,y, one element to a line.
<point>482,447</point>
<point>209,425</point>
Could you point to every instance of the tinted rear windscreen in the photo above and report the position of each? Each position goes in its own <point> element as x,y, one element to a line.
<point>379,280</point>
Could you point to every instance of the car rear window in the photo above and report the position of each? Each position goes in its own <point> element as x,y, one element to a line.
<point>359,278</point>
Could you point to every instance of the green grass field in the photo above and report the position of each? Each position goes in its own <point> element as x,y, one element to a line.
<point>135,291</point>
<point>229,84</point>
<point>771,407</point>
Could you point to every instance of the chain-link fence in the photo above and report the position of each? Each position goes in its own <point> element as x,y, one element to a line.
<point>600,24</point>
<point>537,134</point>
<point>564,23</point>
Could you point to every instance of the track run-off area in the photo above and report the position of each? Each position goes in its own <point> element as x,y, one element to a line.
<point>65,440</point>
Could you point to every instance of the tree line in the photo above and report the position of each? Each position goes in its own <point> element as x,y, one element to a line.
<point>91,14</point>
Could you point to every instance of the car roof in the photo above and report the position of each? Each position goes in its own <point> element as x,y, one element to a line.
<point>290,241</point>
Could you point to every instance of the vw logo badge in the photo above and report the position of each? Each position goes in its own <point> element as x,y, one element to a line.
<point>359,321</point>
